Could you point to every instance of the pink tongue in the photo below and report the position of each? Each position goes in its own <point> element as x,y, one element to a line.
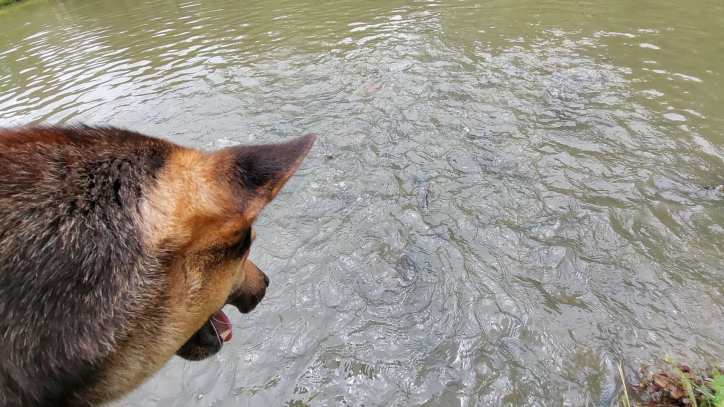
<point>221,323</point>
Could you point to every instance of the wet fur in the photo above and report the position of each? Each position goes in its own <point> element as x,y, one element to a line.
<point>115,248</point>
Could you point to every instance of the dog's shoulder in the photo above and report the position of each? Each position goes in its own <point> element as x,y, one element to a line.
<point>73,254</point>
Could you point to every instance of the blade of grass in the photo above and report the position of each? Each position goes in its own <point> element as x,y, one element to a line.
<point>704,391</point>
<point>624,399</point>
<point>313,397</point>
<point>687,385</point>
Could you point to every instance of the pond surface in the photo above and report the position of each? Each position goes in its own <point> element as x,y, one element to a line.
<point>505,201</point>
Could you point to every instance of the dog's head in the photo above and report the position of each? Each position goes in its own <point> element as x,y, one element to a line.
<point>202,208</point>
<point>122,250</point>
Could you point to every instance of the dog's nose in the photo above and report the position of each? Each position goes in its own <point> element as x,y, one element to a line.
<point>266,280</point>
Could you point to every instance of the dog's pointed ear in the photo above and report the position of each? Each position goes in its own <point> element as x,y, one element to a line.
<point>261,171</point>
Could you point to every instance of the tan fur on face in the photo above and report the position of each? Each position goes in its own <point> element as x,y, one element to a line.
<point>192,207</point>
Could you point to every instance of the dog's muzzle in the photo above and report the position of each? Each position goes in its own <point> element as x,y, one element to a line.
<point>209,340</point>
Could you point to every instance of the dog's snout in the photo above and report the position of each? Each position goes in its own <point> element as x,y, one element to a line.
<point>251,291</point>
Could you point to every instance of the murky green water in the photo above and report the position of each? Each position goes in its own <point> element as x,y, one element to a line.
<point>504,202</point>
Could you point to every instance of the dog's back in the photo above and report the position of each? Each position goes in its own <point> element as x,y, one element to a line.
<point>72,259</point>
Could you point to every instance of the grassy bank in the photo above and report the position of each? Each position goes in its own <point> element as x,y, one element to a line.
<point>7,2</point>
<point>678,386</point>
<point>11,6</point>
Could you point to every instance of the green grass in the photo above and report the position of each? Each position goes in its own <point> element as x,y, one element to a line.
<point>715,397</point>
<point>302,403</point>
<point>7,2</point>
<point>10,6</point>
<point>711,390</point>
<point>683,387</point>
<point>313,397</point>
<point>687,385</point>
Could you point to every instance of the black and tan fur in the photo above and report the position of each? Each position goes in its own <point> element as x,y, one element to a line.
<point>115,249</point>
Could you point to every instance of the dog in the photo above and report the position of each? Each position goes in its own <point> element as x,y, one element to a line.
<point>118,250</point>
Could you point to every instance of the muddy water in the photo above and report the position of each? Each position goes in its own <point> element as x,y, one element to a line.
<point>506,198</point>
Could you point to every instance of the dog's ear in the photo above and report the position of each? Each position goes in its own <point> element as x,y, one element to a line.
<point>259,172</point>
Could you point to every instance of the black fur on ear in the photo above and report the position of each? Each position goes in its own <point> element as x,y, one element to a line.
<point>263,170</point>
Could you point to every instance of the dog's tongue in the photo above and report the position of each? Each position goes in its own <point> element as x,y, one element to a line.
<point>222,324</point>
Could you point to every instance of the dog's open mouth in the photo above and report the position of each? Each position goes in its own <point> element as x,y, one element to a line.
<point>210,338</point>
<point>221,325</point>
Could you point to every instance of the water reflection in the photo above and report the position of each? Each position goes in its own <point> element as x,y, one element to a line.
<point>505,200</point>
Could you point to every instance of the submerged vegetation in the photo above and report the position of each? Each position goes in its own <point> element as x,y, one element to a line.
<point>679,387</point>
<point>7,2</point>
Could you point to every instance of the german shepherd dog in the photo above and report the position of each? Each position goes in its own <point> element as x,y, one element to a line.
<point>117,251</point>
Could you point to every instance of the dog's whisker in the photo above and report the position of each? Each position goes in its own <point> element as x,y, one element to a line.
<point>218,337</point>
<point>222,322</point>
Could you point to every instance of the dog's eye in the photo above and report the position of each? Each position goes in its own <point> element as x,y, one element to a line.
<point>245,242</point>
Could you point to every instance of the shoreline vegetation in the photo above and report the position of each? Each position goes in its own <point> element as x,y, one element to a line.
<point>10,6</point>
<point>677,386</point>
<point>4,3</point>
